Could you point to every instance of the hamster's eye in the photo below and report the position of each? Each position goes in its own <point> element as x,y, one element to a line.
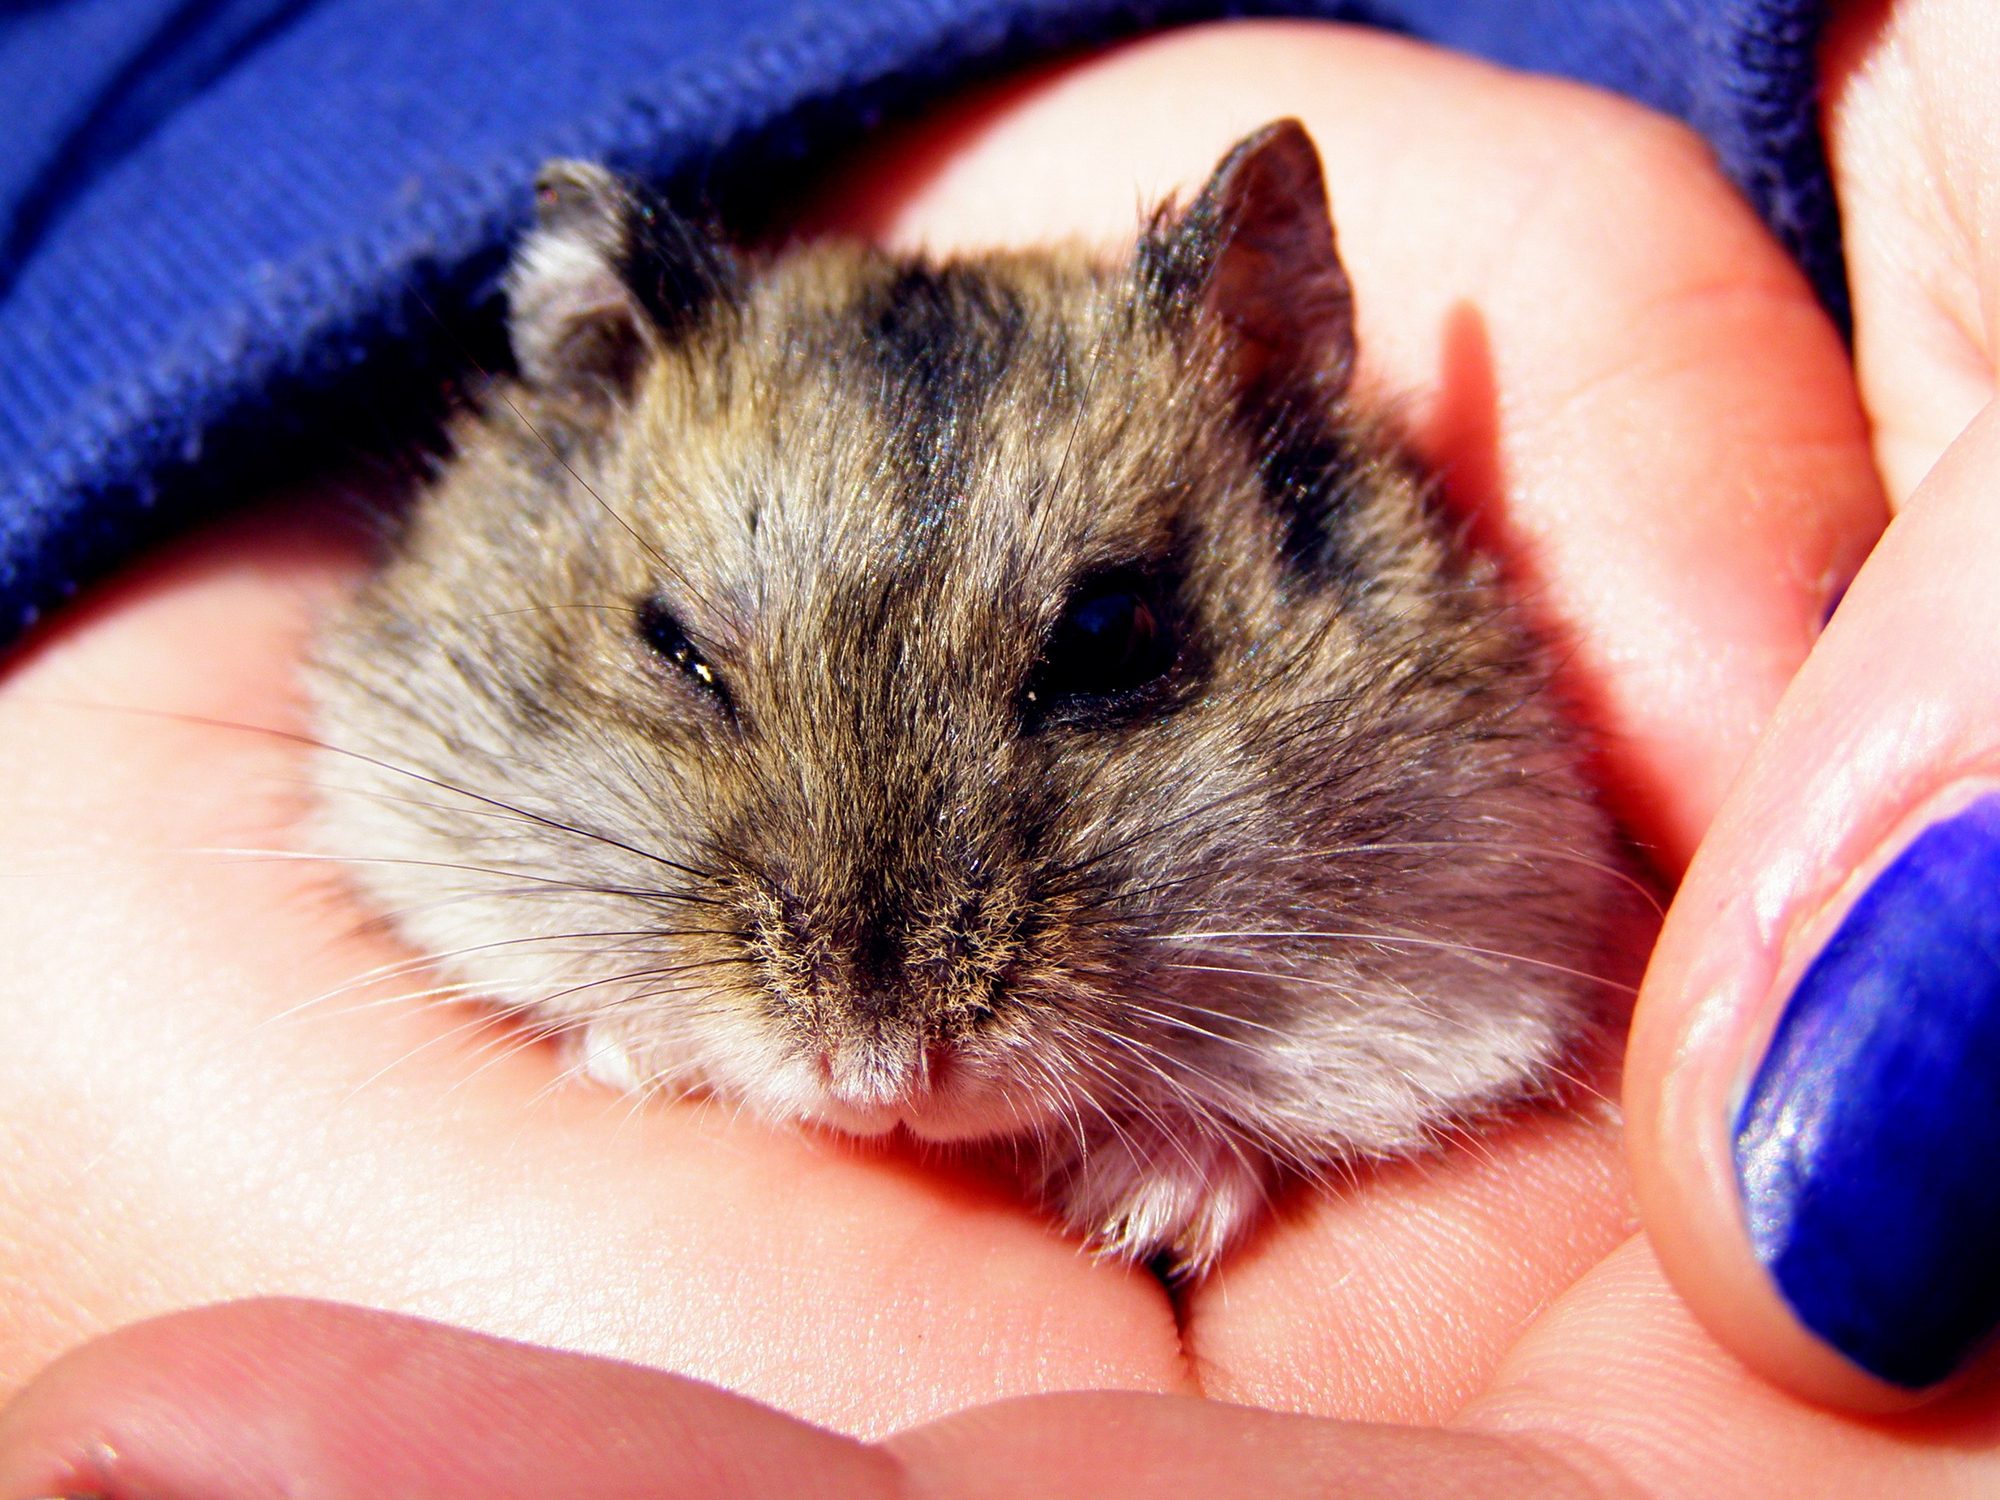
<point>666,639</point>
<point>1113,637</point>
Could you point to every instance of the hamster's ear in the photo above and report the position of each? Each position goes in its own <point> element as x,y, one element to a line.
<point>1254,254</point>
<point>606,276</point>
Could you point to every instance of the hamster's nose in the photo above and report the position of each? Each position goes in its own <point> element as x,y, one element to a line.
<point>869,973</point>
<point>889,1068</point>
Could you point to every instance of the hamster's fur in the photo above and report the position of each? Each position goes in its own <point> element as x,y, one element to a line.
<point>1008,697</point>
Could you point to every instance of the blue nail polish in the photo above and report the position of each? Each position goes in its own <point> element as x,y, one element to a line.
<point>1869,1147</point>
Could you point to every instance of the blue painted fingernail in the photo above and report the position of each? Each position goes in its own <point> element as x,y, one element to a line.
<point>1869,1147</point>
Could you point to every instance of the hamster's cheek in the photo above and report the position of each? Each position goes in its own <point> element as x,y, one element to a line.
<point>203,1097</point>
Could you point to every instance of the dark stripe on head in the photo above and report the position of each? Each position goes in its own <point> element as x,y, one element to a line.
<point>1309,469</point>
<point>941,338</point>
<point>1170,266</point>
<point>677,268</point>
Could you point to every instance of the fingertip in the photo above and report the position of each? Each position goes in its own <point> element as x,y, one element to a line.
<point>1753,1212</point>
<point>1814,1078</point>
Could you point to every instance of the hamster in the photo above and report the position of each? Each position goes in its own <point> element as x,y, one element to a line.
<point>1011,698</point>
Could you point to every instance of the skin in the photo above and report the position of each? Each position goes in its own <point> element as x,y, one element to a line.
<point>1893,721</point>
<point>1575,308</point>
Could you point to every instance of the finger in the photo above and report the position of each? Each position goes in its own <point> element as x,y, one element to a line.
<point>1605,354</point>
<point>1622,1382</point>
<point>1109,1446</point>
<point>1763,1135</point>
<point>261,1399</point>
<point>1812,1082</point>
<point>1912,124</point>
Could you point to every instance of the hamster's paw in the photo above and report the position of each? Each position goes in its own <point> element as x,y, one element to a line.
<point>1180,1203</point>
<point>605,1056</point>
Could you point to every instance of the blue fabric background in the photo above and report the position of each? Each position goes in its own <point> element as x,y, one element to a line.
<point>225,224</point>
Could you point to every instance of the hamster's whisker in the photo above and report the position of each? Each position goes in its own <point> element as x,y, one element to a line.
<point>1582,1084</point>
<point>1103,914</point>
<point>571,1073</point>
<point>523,1041</point>
<point>1096,900</point>
<point>1095,364</point>
<point>1075,1105</point>
<point>1286,976</point>
<point>328,997</point>
<point>1059,1094</point>
<point>1168,1018</point>
<point>1175,1071</point>
<point>1603,867</point>
<point>1143,1109</point>
<point>554,886</point>
<point>590,936</point>
<point>1166,1068</point>
<point>399,968</point>
<point>501,813</point>
<point>1388,939</point>
<point>433,995</point>
<point>502,1050</point>
<point>506,1036</point>
<point>511,894</point>
<point>313,742</point>
<point>557,825</point>
<point>1165,825</point>
<point>658,972</point>
<point>480,990</point>
<point>554,1031</point>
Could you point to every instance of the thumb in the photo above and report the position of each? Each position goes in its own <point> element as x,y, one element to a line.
<point>1814,1080</point>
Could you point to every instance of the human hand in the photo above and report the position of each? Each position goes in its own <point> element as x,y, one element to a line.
<point>1623,382</point>
<point>1618,1395</point>
<point>1853,869</point>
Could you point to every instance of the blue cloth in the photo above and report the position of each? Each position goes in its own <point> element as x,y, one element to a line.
<point>236,234</point>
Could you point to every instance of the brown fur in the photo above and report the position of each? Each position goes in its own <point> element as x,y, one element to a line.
<point>1329,880</point>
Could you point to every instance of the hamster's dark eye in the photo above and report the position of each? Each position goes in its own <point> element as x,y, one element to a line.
<point>665,637</point>
<point>1114,636</point>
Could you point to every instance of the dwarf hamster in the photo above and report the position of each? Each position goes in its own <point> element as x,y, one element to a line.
<point>1016,697</point>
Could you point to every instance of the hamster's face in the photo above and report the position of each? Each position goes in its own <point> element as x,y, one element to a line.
<point>1000,697</point>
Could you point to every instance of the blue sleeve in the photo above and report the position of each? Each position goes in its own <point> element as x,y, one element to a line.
<point>236,234</point>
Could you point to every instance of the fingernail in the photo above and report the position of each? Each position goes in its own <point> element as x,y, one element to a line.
<point>1868,1148</point>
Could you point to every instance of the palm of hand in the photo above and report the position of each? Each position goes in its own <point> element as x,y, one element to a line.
<point>204,1103</point>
